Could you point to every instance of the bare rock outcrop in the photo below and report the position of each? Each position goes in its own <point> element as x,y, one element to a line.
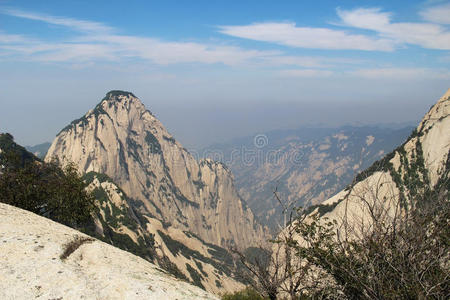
<point>41,259</point>
<point>122,139</point>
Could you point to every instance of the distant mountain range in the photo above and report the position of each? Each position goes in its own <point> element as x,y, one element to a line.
<point>305,166</point>
<point>39,150</point>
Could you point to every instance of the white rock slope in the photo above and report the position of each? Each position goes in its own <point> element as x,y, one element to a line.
<point>31,267</point>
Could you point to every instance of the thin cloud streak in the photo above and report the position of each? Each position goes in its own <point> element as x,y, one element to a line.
<point>75,24</point>
<point>97,42</point>
<point>288,34</point>
<point>387,36</point>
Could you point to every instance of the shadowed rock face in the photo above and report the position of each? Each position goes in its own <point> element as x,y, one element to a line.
<point>32,265</point>
<point>122,139</point>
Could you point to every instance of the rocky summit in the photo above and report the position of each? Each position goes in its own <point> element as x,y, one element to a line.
<point>123,140</point>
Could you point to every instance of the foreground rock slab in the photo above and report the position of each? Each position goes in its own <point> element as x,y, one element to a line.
<point>31,266</point>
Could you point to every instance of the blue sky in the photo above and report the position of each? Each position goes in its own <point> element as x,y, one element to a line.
<point>212,70</point>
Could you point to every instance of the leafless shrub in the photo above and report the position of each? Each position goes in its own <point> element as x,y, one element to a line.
<point>73,245</point>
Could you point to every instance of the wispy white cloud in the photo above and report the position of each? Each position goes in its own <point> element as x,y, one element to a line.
<point>164,52</point>
<point>115,48</point>
<point>289,34</point>
<point>98,41</point>
<point>426,35</point>
<point>75,24</point>
<point>386,36</point>
<point>95,42</point>
<point>437,14</point>
<point>11,38</point>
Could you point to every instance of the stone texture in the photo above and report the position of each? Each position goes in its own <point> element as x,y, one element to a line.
<point>122,139</point>
<point>31,267</point>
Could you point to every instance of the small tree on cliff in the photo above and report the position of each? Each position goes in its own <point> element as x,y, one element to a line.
<point>44,188</point>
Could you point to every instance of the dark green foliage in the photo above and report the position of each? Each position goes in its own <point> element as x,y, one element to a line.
<point>123,159</point>
<point>116,93</point>
<point>153,143</point>
<point>384,164</point>
<point>246,294</point>
<point>399,258</point>
<point>14,155</point>
<point>217,252</point>
<point>114,217</point>
<point>124,242</point>
<point>218,284</point>
<point>199,183</point>
<point>380,165</point>
<point>322,208</point>
<point>98,110</point>
<point>144,248</point>
<point>81,121</point>
<point>169,139</point>
<point>172,268</point>
<point>221,260</point>
<point>183,198</point>
<point>90,176</point>
<point>200,267</point>
<point>133,149</point>
<point>196,277</point>
<point>44,188</point>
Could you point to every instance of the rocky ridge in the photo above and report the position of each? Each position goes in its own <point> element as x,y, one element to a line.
<point>123,140</point>
<point>420,164</point>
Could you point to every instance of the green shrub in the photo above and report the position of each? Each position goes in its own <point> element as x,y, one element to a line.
<point>246,294</point>
<point>45,188</point>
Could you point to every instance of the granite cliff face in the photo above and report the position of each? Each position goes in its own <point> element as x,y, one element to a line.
<point>116,221</point>
<point>123,140</point>
<point>419,165</point>
<point>181,253</point>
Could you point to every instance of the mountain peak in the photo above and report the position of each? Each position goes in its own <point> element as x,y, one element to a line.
<point>122,139</point>
<point>122,100</point>
<point>116,93</point>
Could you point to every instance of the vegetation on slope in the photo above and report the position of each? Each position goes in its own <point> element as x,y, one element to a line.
<point>43,188</point>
